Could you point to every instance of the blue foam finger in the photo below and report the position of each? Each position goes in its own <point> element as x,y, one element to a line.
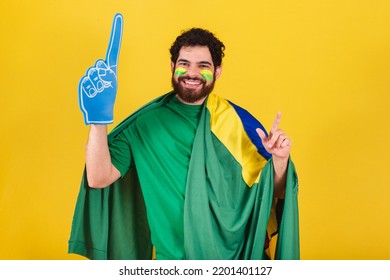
<point>115,42</point>
<point>98,87</point>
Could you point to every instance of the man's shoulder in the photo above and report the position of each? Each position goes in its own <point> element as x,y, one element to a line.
<point>142,111</point>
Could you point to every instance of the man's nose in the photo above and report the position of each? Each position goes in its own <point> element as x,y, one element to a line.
<point>193,71</point>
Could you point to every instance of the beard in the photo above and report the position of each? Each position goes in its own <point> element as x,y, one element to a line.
<point>190,95</point>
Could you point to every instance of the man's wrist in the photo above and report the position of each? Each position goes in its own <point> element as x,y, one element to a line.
<point>280,165</point>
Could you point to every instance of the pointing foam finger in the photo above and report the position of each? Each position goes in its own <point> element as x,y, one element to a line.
<point>115,41</point>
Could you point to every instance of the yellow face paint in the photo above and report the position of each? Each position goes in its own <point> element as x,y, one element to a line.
<point>180,71</point>
<point>206,74</point>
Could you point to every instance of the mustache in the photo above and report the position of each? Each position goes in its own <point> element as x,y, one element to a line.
<point>186,77</point>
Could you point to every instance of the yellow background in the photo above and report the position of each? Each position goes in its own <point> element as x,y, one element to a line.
<point>325,64</point>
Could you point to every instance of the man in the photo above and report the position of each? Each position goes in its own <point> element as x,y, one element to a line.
<point>195,176</point>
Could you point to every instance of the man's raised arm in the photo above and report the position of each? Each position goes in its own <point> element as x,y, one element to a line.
<point>97,93</point>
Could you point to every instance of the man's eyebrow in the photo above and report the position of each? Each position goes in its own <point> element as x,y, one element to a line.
<point>182,60</point>
<point>200,62</point>
<point>205,62</point>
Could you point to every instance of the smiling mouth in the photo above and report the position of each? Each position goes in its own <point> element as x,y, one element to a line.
<point>191,82</point>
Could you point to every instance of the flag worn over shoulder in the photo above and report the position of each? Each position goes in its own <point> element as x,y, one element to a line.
<point>229,195</point>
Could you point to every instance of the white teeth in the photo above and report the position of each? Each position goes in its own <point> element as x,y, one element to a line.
<point>192,82</point>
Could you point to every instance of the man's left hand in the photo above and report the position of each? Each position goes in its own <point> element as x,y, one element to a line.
<point>278,144</point>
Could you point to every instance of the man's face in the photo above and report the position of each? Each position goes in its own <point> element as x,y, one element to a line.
<point>194,74</point>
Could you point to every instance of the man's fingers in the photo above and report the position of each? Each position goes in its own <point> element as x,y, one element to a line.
<point>275,125</point>
<point>277,141</point>
<point>115,41</point>
<point>286,142</point>
<point>262,135</point>
<point>281,138</point>
<point>273,138</point>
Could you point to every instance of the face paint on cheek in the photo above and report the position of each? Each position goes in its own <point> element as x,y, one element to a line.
<point>180,71</point>
<point>207,74</point>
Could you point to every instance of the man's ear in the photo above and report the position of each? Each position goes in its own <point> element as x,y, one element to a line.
<point>172,66</point>
<point>218,72</point>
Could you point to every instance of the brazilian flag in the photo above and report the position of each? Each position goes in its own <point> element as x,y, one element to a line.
<point>229,210</point>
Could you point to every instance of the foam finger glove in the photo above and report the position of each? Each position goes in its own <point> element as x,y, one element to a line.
<point>98,88</point>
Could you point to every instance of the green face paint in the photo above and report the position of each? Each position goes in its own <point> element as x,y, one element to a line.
<point>206,74</point>
<point>180,71</point>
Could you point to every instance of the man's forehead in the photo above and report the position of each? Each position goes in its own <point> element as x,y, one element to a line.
<point>195,52</point>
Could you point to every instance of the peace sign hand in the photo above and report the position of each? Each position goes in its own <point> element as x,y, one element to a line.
<point>97,89</point>
<point>277,143</point>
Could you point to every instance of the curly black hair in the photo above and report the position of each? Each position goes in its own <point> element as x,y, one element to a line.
<point>199,37</point>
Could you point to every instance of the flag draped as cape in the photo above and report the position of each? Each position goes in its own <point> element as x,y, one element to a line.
<point>229,208</point>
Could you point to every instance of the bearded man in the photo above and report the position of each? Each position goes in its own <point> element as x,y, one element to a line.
<point>190,175</point>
